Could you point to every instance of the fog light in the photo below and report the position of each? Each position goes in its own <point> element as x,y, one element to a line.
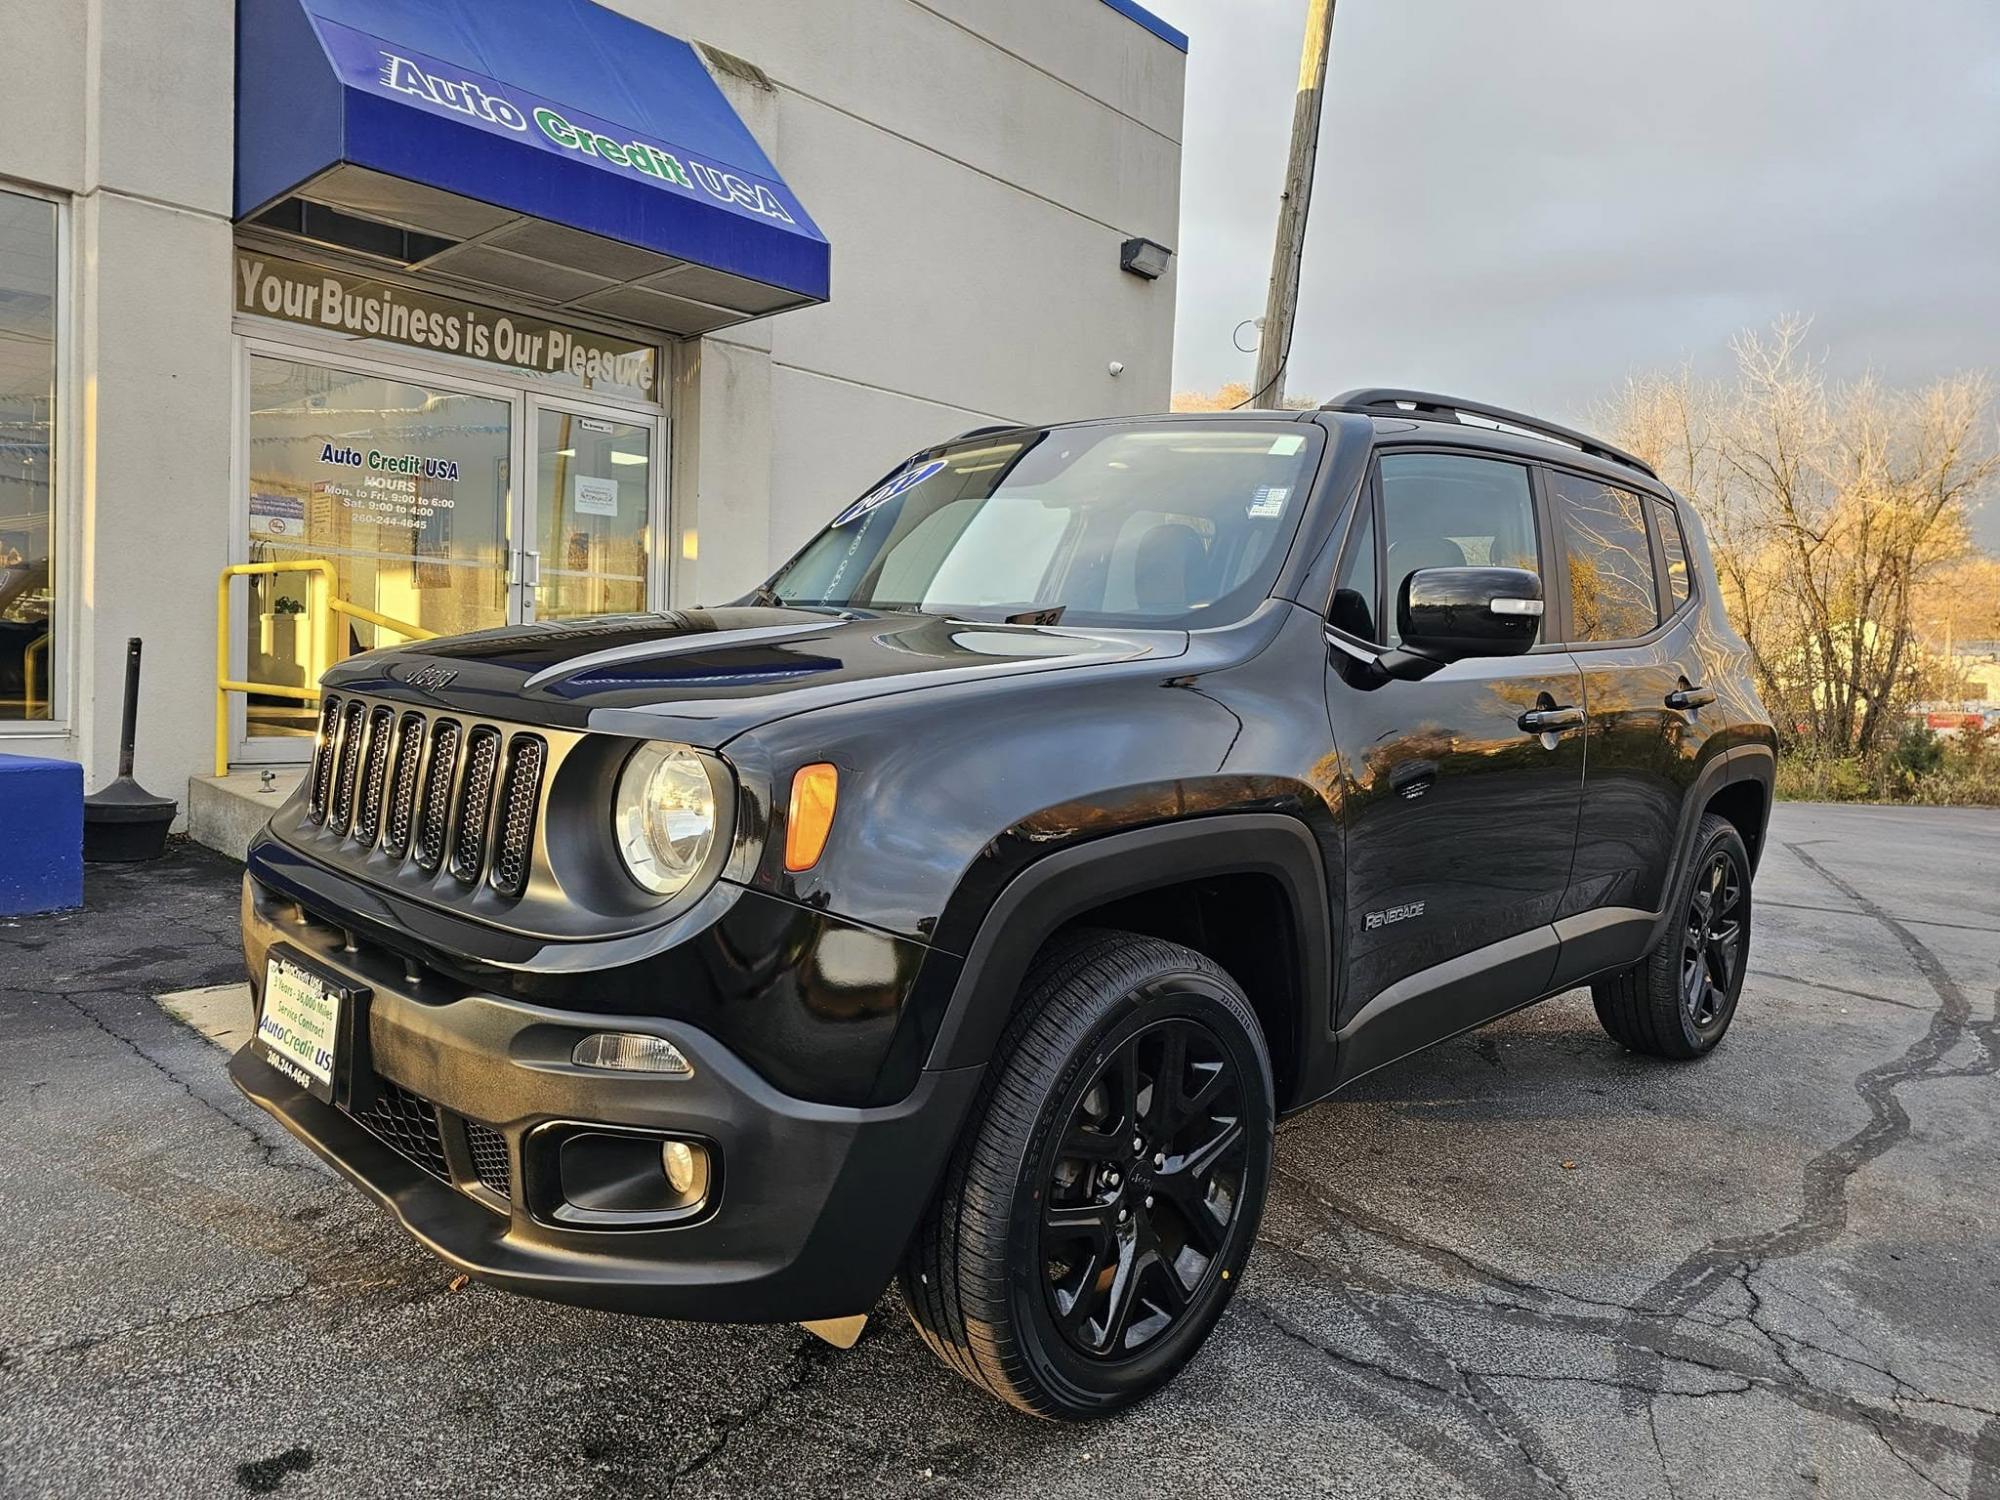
<point>615,1177</point>
<point>631,1052</point>
<point>687,1170</point>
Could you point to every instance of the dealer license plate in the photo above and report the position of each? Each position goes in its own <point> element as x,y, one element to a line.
<point>300,1027</point>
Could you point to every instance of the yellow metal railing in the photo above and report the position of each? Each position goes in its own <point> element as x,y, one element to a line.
<point>323,609</point>
<point>31,672</point>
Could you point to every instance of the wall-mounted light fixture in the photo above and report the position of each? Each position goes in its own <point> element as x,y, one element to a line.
<point>1144,257</point>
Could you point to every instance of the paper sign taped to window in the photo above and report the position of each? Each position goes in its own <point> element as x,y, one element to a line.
<point>591,496</point>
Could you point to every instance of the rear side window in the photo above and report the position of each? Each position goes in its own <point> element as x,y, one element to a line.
<point>1612,593</point>
<point>1674,546</point>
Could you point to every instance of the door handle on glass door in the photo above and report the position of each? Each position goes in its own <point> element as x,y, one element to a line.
<point>531,568</point>
<point>1548,720</point>
<point>1690,697</point>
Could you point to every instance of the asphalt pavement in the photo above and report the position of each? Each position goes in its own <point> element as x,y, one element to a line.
<point>1525,1263</point>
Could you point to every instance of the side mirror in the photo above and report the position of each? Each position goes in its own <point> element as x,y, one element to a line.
<point>1448,614</point>
<point>1451,613</point>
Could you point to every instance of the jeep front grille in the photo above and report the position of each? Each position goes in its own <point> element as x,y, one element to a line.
<point>429,790</point>
<point>320,779</point>
<point>519,798</point>
<point>403,788</point>
<point>475,803</point>
<point>352,720</point>
<point>434,817</point>
<point>374,772</point>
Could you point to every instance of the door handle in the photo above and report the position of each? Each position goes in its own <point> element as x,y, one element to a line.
<point>531,569</point>
<point>1690,697</point>
<point>1549,720</point>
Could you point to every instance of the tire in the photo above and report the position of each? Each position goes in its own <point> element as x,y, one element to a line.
<point>1655,1006</point>
<point>1029,1310</point>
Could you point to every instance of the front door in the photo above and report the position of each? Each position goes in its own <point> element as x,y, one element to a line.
<point>593,513</point>
<point>1461,824</point>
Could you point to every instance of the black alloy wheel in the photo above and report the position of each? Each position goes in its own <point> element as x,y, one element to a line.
<point>1146,1186</point>
<point>1679,999</point>
<point>1713,948</point>
<point>1098,1210</point>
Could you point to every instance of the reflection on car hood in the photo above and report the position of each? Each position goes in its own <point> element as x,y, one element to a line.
<point>706,675</point>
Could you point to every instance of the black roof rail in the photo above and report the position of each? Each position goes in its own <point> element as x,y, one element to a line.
<point>1385,402</point>
<point>973,432</point>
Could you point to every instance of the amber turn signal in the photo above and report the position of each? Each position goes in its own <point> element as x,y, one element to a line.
<point>810,819</point>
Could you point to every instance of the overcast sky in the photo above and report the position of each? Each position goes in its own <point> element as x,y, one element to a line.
<point>1525,200</point>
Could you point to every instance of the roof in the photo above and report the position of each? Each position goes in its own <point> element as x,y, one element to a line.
<point>1140,16</point>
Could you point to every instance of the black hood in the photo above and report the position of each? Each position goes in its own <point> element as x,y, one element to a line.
<point>705,675</point>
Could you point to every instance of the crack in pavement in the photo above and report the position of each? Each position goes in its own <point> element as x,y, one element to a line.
<point>1825,1178</point>
<point>1496,1472</point>
<point>267,1149</point>
<point>1615,1326</point>
<point>806,1360</point>
<point>1841,989</point>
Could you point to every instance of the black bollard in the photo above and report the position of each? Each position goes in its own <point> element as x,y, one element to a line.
<point>124,821</point>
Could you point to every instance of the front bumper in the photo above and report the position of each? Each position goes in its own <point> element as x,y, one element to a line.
<point>810,1211</point>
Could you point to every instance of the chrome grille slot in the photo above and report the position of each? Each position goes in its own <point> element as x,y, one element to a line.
<point>434,818</point>
<point>324,750</point>
<point>340,814</point>
<point>374,774</point>
<point>514,845</point>
<point>475,803</point>
<point>409,763</point>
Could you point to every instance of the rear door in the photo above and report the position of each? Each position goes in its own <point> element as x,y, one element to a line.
<point>1630,626</point>
<point>1460,823</point>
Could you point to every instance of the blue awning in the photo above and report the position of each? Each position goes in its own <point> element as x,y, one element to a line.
<point>548,147</point>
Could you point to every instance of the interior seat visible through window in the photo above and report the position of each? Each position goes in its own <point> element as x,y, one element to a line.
<point>1167,575</point>
<point>1439,510</point>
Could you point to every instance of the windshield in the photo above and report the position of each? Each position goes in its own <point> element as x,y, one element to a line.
<point>1165,524</point>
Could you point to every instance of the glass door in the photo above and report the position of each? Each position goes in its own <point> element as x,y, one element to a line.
<point>402,484</point>
<point>592,512</point>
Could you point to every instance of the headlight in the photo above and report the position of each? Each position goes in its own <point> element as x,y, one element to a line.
<point>664,816</point>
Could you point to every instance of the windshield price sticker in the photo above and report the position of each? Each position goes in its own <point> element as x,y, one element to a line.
<point>902,484</point>
<point>1268,500</point>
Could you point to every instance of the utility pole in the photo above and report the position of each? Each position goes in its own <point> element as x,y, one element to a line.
<point>1282,306</point>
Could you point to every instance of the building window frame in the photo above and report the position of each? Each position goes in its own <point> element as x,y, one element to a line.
<point>65,525</point>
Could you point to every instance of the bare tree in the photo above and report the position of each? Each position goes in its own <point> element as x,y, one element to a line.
<point>1830,508</point>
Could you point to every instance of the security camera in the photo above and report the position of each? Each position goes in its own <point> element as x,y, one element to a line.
<point>1117,367</point>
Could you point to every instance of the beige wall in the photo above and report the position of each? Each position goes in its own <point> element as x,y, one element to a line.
<point>976,166</point>
<point>116,103</point>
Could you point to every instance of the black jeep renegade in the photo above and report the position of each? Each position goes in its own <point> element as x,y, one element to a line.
<point>966,904</point>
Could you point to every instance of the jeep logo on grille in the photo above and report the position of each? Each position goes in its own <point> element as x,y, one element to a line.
<point>430,678</point>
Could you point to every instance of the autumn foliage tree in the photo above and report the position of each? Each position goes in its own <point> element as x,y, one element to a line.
<point>1232,395</point>
<point>1833,509</point>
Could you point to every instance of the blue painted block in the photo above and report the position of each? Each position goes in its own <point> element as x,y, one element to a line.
<point>41,835</point>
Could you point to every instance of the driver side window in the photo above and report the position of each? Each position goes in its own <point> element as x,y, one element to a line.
<point>1449,510</point>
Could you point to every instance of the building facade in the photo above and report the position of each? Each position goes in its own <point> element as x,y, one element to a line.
<point>458,315</point>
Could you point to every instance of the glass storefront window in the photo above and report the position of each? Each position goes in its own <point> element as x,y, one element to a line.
<point>403,487</point>
<point>592,495</point>
<point>27,457</point>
